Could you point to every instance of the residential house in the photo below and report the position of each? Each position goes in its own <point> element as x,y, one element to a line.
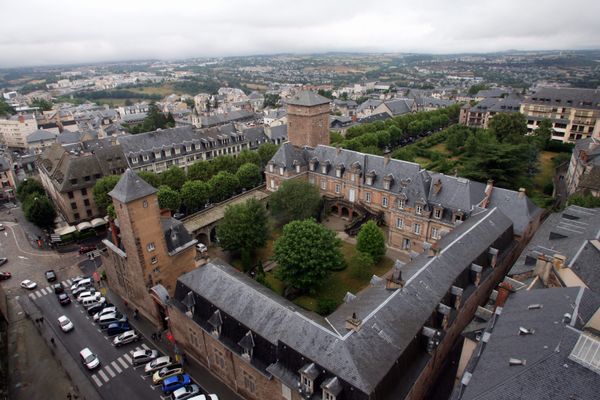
<point>209,121</point>
<point>583,175</point>
<point>480,114</point>
<point>367,108</point>
<point>396,107</point>
<point>7,180</point>
<point>431,103</point>
<point>15,129</point>
<point>40,139</point>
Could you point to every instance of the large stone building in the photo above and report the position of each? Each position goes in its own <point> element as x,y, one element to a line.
<point>583,175</point>
<point>14,130</point>
<point>147,252</point>
<point>308,119</point>
<point>480,114</point>
<point>69,176</point>
<point>575,113</point>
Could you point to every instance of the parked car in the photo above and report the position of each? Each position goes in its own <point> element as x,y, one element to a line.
<point>173,383</point>
<point>201,247</point>
<point>96,308</point>
<point>88,294</point>
<point>166,372</point>
<point>92,301</point>
<point>205,397</point>
<point>50,275</point>
<point>2,227</point>
<point>143,356</point>
<point>63,299</point>
<point>184,393</point>
<point>82,282</point>
<point>82,289</point>
<point>178,215</point>
<point>117,328</point>
<point>158,363</point>
<point>3,260</point>
<point>106,320</point>
<point>104,311</point>
<point>28,284</point>
<point>126,338</point>
<point>65,323</point>
<point>58,288</point>
<point>89,359</point>
<point>86,249</point>
<point>6,275</point>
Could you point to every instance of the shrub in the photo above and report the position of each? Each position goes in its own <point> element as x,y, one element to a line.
<point>361,266</point>
<point>326,306</point>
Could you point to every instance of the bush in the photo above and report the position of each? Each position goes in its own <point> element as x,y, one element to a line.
<point>361,266</point>
<point>326,306</point>
<point>559,147</point>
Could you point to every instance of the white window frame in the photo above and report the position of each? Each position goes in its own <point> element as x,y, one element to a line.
<point>338,173</point>
<point>386,185</point>
<point>384,201</point>
<point>297,169</point>
<point>338,188</point>
<point>399,223</point>
<point>401,204</point>
<point>167,152</point>
<point>177,150</point>
<point>324,169</point>
<point>437,213</point>
<point>324,184</point>
<point>270,167</point>
<point>134,160</point>
<point>188,148</point>
<point>435,232</point>
<point>419,209</point>
<point>150,247</point>
<point>368,197</point>
<point>369,180</point>
<point>417,229</point>
<point>281,171</point>
<point>145,157</point>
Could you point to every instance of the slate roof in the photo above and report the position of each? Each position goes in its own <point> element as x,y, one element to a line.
<point>40,135</point>
<point>131,187</point>
<point>400,106</point>
<point>176,236</point>
<point>565,233</point>
<point>492,104</point>
<point>491,93</point>
<point>517,207</point>
<point>369,104</point>
<point>365,357</point>
<point>433,102</point>
<point>307,98</point>
<point>566,97</point>
<point>548,372</point>
<point>221,119</point>
<point>279,132</point>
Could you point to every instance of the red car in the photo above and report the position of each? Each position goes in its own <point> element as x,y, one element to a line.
<point>4,275</point>
<point>86,249</point>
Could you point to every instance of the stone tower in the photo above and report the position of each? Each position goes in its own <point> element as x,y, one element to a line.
<point>150,251</point>
<point>308,119</point>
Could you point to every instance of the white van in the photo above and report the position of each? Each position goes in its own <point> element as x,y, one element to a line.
<point>92,300</point>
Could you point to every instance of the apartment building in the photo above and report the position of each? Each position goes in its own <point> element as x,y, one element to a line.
<point>583,175</point>
<point>69,176</point>
<point>14,130</point>
<point>182,146</point>
<point>480,114</point>
<point>575,113</point>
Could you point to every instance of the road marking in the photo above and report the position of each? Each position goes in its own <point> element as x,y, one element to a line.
<point>49,289</point>
<point>95,378</point>
<point>103,375</point>
<point>87,317</point>
<point>38,294</point>
<point>43,291</point>
<point>69,282</point>
<point>152,387</point>
<point>116,367</point>
<point>32,296</point>
<point>81,311</point>
<point>126,356</point>
<point>99,330</point>
<point>123,363</point>
<point>110,371</point>
<point>23,258</point>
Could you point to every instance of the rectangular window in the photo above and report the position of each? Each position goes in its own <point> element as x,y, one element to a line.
<point>419,209</point>
<point>73,206</point>
<point>89,213</point>
<point>145,157</point>
<point>280,170</point>
<point>399,223</point>
<point>70,194</point>
<point>434,233</point>
<point>177,150</point>
<point>368,197</point>
<point>311,179</point>
<point>270,167</point>
<point>338,188</point>
<point>76,215</point>
<point>437,213</point>
<point>324,169</point>
<point>219,358</point>
<point>384,201</point>
<point>401,204</point>
<point>154,260</point>
<point>249,382</point>
<point>323,184</point>
<point>168,153</point>
<point>86,202</point>
<point>338,173</point>
<point>417,228</point>
<point>369,180</point>
<point>150,246</point>
<point>188,148</point>
<point>84,192</point>
<point>297,169</point>
<point>194,338</point>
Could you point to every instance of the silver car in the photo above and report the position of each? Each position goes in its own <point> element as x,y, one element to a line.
<point>126,337</point>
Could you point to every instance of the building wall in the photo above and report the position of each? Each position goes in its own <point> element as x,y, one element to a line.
<point>14,132</point>
<point>308,126</point>
<point>569,123</point>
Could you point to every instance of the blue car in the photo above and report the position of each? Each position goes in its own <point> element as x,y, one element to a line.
<point>117,328</point>
<point>173,383</point>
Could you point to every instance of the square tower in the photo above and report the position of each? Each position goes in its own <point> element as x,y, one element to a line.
<point>308,119</point>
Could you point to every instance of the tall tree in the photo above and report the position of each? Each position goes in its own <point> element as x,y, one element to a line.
<point>150,177</point>
<point>222,186</point>
<point>174,177</point>
<point>249,175</point>
<point>39,210</point>
<point>306,253</point>
<point>168,198</point>
<point>509,127</point>
<point>101,189</point>
<point>371,240</point>
<point>244,227</point>
<point>224,163</point>
<point>249,156</point>
<point>194,195</point>
<point>28,187</point>
<point>42,104</point>
<point>296,199</point>
<point>200,171</point>
<point>266,151</point>
<point>5,109</point>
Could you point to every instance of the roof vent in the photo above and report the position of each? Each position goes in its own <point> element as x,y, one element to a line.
<point>516,361</point>
<point>353,323</point>
<point>525,331</point>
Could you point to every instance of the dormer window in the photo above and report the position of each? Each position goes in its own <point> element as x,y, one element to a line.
<point>308,374</point>
<point>281,169</point>
<point>437,213</point>
<point>338,173</point>
<point>177,150</point>
<point>387,182</point>
<point>157,155</point>
<point>324,169</point>
<point>419,209</point>
<point>168,153</point>
<point>370,178</point>
<point>332,387</point>
<point>216,322</point>
<point>188,148</point>
<point>297,168</point>
<point>134,160</point>
<point>312,165</point>
<point>458,216</point>
<point>247,345</point>
<point>270,167</point>
<point>145,157</point>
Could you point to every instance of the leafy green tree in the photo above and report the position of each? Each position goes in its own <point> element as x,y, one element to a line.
<point>335,137</point>
<point>224,163</point>
<point>543,133</point>
<point>509,127</point>
<point>296,199</point>
<point>28,187</point>
<point>244,227</point>
<point>153,121</point>
<point>587,200</point>
<point>39,210</point>
<point>249,175</point>
<point>249,156</point>
<point>168,198</point>
<point>474,89</point>
<point>306,253</point>
<point>42,104</point>
<point>371,240</point>
<point>271,100</point>
<point>194,195</point>
<point>266,151</point>
<point>222,186</point>
<point>5,109</point>
<point>361,265</point>
<point>150,177</point>
<point>174,177</point>
<point>200,171</point>
<point>101,189</point>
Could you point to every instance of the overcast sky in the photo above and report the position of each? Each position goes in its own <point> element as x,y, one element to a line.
<point>40,32</point>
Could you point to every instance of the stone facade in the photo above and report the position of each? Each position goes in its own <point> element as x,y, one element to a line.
<point>308,125</point>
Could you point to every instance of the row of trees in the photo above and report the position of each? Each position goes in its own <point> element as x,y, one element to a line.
<point>206,181</point>
<point>374,137</point>
<point>37,207</point>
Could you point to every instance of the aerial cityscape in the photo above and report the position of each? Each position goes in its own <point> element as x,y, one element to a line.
<point>313,200</point>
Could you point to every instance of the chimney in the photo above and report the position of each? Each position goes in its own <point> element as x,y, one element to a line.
<point>338,150</point>
<point>386,156</point>
<point>558,261</point>
<point>165,212</point>
<point>504,290</point>
<point>489,188</point>
<point>522,193</point>
<point>21,119</point>
<point>353,323</point>
<point>457,292</point>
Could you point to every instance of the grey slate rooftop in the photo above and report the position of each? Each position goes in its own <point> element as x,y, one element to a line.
<point>131,187</point>
<point>548,373</point>
<point>308,99</point>
<point>565,233</point>
<point>566,97</point>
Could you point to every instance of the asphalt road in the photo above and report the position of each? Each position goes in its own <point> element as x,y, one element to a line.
<point>116,377</point>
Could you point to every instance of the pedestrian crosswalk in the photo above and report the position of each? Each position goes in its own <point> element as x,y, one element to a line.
<point>110,370</point>
<point>47,290</point>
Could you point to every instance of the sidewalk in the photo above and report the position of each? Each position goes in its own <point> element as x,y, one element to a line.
<point>193,367</point>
